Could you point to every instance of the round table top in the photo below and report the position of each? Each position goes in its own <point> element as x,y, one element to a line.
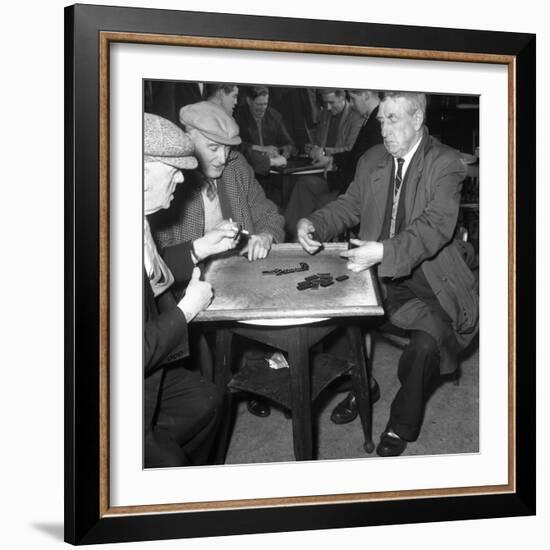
<point>284,322</point>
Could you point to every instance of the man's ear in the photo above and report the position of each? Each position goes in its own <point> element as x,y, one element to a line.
<point>418,119</point>
<point>146,179</point>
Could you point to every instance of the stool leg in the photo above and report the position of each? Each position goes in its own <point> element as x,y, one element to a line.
<point>222,368</point>
<point>360,382</point>
<point>456,376</point>
<point>300,388</point>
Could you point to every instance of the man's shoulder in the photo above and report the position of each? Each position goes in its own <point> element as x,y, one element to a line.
<point>237,166</point>
<point>439,154</point>
<point>353,116</point>
<point>274,114</point>
<point>374,156</point>
<point>236,159</point>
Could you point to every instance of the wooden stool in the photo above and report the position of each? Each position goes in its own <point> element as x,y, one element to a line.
<point>297,341</point>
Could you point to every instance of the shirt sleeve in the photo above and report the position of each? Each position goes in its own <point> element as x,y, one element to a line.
<point>341,214</point>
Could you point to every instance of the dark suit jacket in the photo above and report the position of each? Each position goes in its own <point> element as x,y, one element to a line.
<point>165,98</point>
<point>346,161</point>
<point>431,209</point>
<point>164,334</point>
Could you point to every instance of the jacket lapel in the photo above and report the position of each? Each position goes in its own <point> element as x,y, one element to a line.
<point>228,193</point>
<point>413,177</point>
<point>380,188</point>
<point>341,126</point>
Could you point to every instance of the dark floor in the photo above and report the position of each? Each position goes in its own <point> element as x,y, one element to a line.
<point>451,424</point>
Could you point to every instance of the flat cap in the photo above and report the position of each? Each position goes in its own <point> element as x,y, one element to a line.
<point>165,142</point>
<point>211,121</point>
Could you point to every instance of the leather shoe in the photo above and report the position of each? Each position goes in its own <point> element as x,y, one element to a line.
<point>390,444</point>
<point>347,411</point>
<point>258,407</point>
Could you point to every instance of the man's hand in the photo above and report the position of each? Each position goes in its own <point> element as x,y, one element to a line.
<point>258,246</point>
<point>269,150</point>
<point>287,151</point>
<point>305,230</point>
<point>198,296</point>
<point>316,153</point>
<point>367,254</point>
<point>323,162</point>
<point>220,239</point>
<point>279,161</point>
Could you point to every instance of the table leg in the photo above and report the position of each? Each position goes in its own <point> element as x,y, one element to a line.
<point>285,190</point>
<point>222,368</point>
<point>360,382</point>
<point>300,387</point>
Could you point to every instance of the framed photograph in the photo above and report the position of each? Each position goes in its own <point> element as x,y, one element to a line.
<point>141,88</point>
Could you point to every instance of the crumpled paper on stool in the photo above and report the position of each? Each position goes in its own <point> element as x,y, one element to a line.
<point>277,361</point>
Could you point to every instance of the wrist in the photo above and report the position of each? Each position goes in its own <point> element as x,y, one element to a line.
<point>380,251</point>
<point>267,236</point>
<point>196,251</point>
<point>187,311</point>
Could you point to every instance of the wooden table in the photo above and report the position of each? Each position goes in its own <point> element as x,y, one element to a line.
<point>269,309</point>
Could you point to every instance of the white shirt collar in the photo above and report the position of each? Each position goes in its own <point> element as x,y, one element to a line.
<point>408,157</point>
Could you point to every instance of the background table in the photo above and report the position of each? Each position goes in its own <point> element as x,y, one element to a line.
<point>290,173</point>
<point>243,294</point>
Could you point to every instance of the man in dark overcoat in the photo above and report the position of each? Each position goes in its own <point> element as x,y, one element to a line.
<point>405,196</point>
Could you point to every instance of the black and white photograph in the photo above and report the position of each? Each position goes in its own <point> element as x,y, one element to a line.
<point>311,267</point>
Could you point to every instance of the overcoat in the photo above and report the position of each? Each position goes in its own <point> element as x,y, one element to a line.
<point>164,335</point>
<point>431,204</point>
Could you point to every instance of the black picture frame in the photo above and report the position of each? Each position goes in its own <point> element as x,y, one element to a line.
<point>87,516</point>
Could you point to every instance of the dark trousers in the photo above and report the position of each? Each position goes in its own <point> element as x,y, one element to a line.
<point>191,424</point>
<point>418,372</point>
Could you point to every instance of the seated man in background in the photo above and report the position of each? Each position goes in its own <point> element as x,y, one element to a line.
<point>183,412</point>
<point>223,95</point>
<point>222,189</point>
<point>337,128</point>
<point>405,195</point>
<point>266,141</point>
<point>313,192</point>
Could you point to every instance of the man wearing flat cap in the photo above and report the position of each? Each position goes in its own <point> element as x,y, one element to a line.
<point>184,414</point>
<point>222,189</point>
<point>223,192</point>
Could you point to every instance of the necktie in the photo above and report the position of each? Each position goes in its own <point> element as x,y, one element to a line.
<point>260,132</point>
<point>211,189</point>
<point>398,177</point>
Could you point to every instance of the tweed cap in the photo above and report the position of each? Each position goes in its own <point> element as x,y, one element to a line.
<point>165,142</point>
<point>211,121</point>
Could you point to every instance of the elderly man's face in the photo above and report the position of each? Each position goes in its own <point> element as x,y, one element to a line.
<point>400,129</point>
<point>334,103</point>
<point>258,106</point>
<point>229,100</point>
<point>210,154</point>
<point>160,181</point>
